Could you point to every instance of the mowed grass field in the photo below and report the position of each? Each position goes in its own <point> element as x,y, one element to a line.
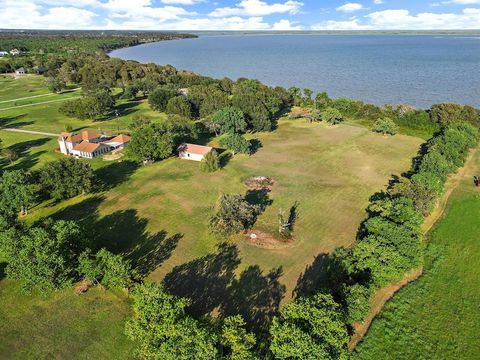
<point>157,215</point>
<point>438,316</point>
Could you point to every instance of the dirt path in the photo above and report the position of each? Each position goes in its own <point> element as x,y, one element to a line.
<point>29,132</point>
<point>386,293</point>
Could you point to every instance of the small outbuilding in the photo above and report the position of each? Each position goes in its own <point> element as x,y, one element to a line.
<point>193,152</point>
<point>20,71</point>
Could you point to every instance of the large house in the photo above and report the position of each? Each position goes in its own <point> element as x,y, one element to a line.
<point>193,152</point>
<point>15,52</point>
<point>90,144</point>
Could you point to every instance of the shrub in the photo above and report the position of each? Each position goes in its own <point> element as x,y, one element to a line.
<point>233,214</point>
<point>332,116</point>
<point>385,126</point>
<point>237,143</point>
<point>210,162</point>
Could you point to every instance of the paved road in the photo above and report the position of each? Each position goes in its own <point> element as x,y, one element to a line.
<point>29,132</point>
<point>40,103</point>
<point>37,96</point>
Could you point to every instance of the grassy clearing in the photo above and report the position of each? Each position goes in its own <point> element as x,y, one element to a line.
<point>437,317</point>
<point>157,215</point>
<point>63,326</point>
<point>28,85</point>
<point>329,171</point>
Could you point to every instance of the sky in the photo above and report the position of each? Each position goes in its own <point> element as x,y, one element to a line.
<point>240,14</point>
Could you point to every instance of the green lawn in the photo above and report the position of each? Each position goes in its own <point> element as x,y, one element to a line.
<point>438,316</point>
<point>157,215</point>
<point>329,171</point>
<point>29,85</point>
<point>63,326</point>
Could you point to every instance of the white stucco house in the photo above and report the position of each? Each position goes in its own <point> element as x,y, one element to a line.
<point>90,144</point>
<point>193,152</point>
<point>15,52</point>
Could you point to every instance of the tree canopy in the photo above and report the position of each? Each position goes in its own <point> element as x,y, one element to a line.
<point>310,328</point>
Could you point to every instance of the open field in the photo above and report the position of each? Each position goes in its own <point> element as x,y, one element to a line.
<point>329,171</point>
<point>437,317</point>
<point>63,326</point>
<point>29,85</point>
<point>157,215</point>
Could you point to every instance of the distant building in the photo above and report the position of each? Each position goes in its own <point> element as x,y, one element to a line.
<point>193,152</point>
<point>3,53</point>
<point>15,52</point>
<point>20,71</point>
<point>89,144</point>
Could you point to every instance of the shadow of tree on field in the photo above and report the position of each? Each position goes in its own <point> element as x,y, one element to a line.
<point>323,274</point>
<point>205,280</point>
<point>3,265</point>
<point>255,296</point>
<point>25,160</point>
<point>11,121</point>
<point>259,197</point>
<point>114,174</point>
<point>210,283</point>
<point>122,232</point>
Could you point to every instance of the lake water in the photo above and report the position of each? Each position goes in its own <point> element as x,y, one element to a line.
<point>395,69</point>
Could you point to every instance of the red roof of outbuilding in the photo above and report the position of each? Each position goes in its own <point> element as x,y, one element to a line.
<point>195,149</point>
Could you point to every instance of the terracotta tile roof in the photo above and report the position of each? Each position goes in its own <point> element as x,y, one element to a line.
<point>64,135</point>
<point>84,135</point>
<point>122,138</point>
<point>195,149</point>
<point>86,146</point>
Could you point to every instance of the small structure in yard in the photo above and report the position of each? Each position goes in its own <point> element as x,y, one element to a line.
<point>259,182</point>
<point>20,71</point>
<point>193,152</point>
<point>90,144</point>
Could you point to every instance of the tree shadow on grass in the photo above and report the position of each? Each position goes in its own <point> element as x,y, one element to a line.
<point>205,280</point>
<point>11,121</point>
<point>122,232</point>
<point>255,296</point>
<point>210,283</point>
<point>3,265</point>
<point>324,274</point>
<point>26,160</point>
<point>114,174</point>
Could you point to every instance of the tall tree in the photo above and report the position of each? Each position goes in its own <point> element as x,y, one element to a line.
<point>163,330</point>
<point>230,120</point>
<point>43,258</point>
<point>236,342</point>
<point>16,194</point>
<point>66,178</point>
<point>310,328</point>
